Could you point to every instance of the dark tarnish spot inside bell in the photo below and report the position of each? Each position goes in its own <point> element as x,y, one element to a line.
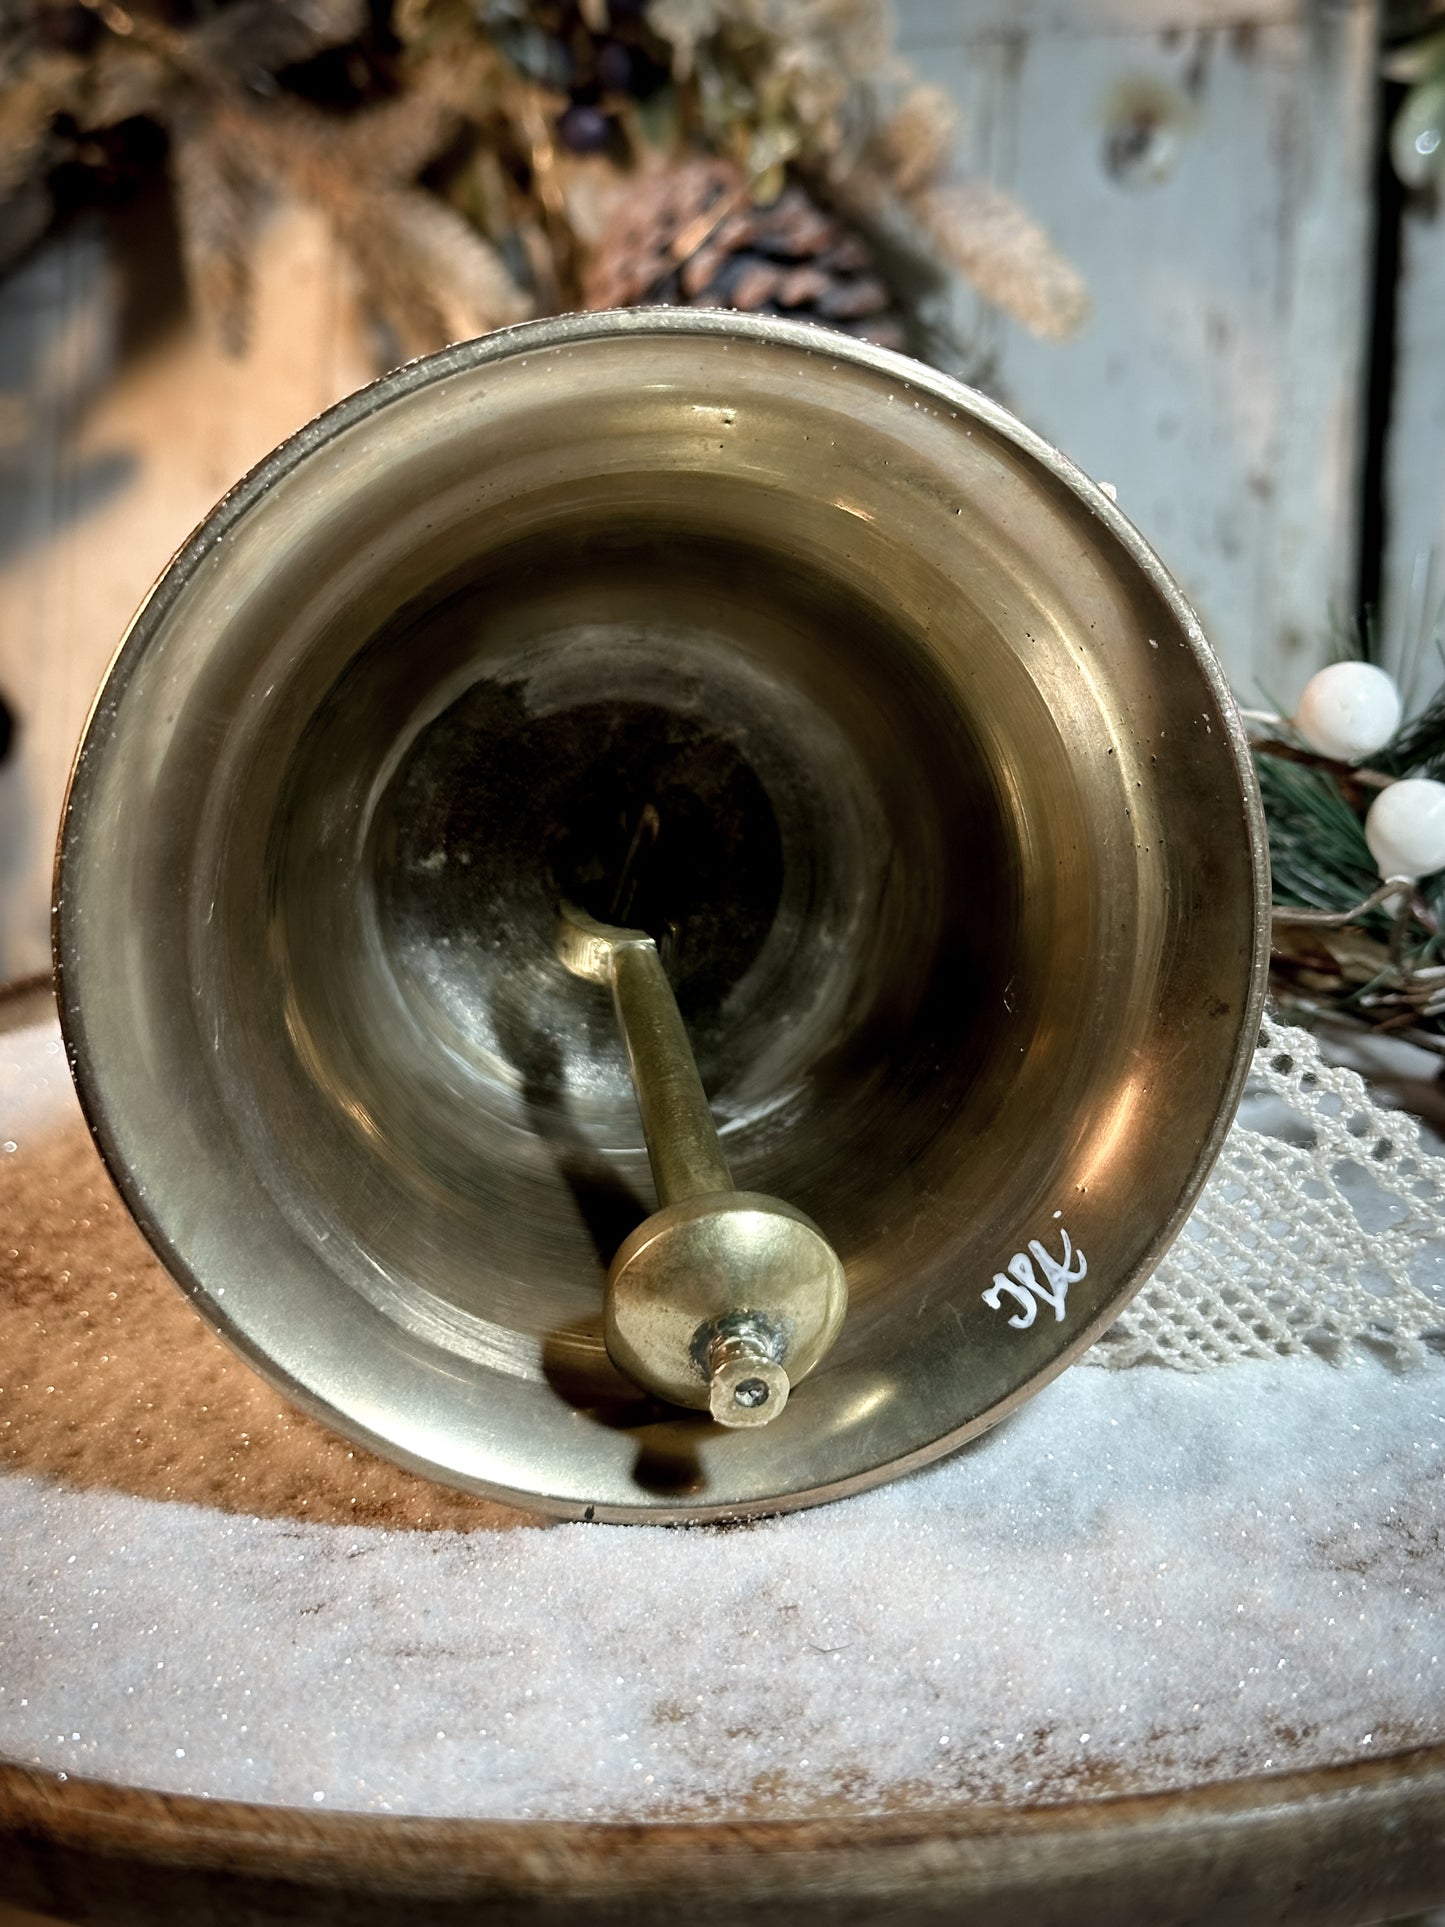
<point>637,814</point>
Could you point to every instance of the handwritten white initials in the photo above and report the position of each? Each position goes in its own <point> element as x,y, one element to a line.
<point>1023,1285</point>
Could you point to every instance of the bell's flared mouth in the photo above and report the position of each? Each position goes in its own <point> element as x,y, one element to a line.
<point>805,660</point>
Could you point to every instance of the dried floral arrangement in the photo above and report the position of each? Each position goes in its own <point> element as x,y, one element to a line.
<point>1354,802</point>
<point>481,161</point>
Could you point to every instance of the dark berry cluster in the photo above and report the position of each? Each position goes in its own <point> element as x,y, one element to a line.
<point>598,71</point>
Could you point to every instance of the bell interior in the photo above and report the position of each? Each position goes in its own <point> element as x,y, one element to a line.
<point>918,775</point>
<point>690,735</point>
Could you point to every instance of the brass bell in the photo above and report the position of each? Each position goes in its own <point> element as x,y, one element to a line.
<point>772,656</point>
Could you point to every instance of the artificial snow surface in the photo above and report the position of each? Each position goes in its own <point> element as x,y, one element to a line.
<point>1142,1581</point>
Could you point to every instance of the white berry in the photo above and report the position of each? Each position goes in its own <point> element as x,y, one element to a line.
<point>1349,710</point>
<point>1405,828</point>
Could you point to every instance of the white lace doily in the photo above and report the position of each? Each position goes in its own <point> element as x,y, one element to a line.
<point>1322,1229</point>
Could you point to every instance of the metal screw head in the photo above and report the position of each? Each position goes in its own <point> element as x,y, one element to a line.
<point>742,1357</point>
<point>747,1391</point>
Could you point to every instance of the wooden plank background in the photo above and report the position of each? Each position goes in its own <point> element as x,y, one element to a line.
<point>1218,385</point>
<point>1219,381</point>
<point>1412,594</point>
<point>123,430</point>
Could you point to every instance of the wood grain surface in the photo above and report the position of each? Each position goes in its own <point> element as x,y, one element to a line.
<point>1342,1846</point>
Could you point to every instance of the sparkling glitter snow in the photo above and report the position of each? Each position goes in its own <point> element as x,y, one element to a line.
<point>1143,1580</point>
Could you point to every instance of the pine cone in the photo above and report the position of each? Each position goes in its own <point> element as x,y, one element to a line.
<point>691,237</point>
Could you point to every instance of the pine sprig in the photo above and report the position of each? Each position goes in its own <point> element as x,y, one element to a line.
<point>1419,749</point>
<point>1319,858</point>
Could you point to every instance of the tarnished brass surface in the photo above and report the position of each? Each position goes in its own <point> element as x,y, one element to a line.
<point>723,1298</point>
<point>956,852</point>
